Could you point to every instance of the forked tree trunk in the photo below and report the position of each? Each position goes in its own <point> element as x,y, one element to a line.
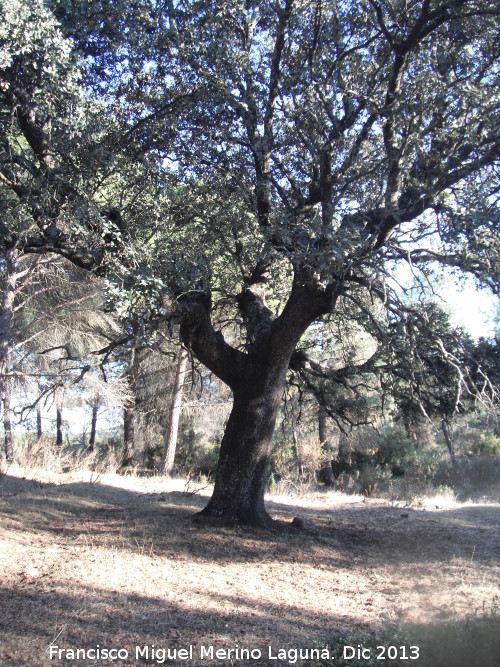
<point>175,412</point>
<point>242,471</point>
<point>257,379</point>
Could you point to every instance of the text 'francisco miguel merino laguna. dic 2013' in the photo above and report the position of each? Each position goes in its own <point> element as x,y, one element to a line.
<point>160,655</point>
<point>291,655</point>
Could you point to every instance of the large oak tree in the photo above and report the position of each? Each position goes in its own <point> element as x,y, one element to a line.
<point>272,161</point>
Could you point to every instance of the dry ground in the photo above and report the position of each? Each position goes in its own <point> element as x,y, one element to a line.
<point>118,563</point>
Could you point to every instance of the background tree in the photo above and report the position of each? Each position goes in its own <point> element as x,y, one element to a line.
<point>434,370</point>
<point>59,323</point>
<point>175,411</point>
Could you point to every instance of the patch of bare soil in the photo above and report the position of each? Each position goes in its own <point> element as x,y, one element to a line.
<point>119,565</point>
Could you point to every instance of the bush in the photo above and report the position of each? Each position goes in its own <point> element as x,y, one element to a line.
<point>153,455</point>
<point>32,453</point>
<point>292,470</point>
<point>445,491</point>
<point>372,478</point>
<point>196,458</point>
<point>487,444</point>
<point>396,450</point>
<point>399,453</point>
<point>282,458</point>
<point>425,463</point>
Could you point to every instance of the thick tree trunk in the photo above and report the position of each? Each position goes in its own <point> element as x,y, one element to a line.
<point>257,379</point>
<point>175,412</point>
<point>243,466</point>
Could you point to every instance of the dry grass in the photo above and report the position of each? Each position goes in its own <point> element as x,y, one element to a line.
<point>118,563</point>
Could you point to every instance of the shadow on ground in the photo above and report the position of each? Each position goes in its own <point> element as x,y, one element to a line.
<point>95,564</point>
<point>130,518</point>
<point>83,619</point>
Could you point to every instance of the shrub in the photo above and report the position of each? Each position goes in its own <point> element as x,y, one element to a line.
<point>153,455</point>
<point>373,478</point>
<point>294,468</point>
<point>396,450</point>
<point>282,457</point>
<point>196,458</point>
<point>486,444</point>
<point>445,491</point>
<point>425,463</point>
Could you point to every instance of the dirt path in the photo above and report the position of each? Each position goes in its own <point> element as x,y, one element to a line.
<point>122,566</point>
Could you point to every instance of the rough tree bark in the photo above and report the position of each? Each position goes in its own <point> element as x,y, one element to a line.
<point>175,412</point>
<point>244,457</point>
<point>257,380</point>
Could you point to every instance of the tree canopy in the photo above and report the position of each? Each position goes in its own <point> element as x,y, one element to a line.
<point>249,168</point>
